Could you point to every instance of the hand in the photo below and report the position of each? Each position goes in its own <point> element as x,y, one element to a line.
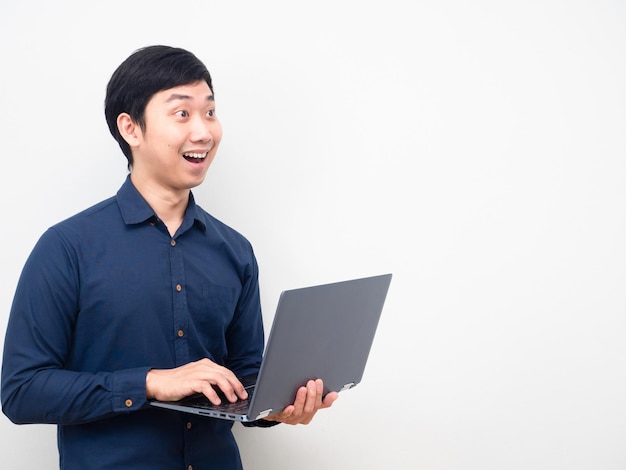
<point>196,377</point>
<point>308,401</point>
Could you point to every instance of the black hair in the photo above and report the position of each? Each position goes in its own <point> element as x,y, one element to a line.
<point>144,73</point>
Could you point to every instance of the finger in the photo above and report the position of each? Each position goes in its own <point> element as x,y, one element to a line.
<point>329,399</point>
<point>300,400</point>
<point>211,394</point>
<point>240,390</point>
<point>319,390</point>
<point>293,413</point>
<point>218,380</point>
<point>231,387</point>
<point>306,403</point>
<point>282,416</point>
<point>313,397</point>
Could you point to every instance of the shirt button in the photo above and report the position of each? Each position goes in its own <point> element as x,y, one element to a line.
<point>181,333</point>
<point>128,403</point>
<point>173,242</point>
<point>179,287</point>
<point>189,425</point>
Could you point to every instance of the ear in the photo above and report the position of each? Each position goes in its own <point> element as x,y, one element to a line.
<point>129,129</point>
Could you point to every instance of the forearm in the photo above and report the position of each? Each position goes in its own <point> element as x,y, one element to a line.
<point>57,396</point>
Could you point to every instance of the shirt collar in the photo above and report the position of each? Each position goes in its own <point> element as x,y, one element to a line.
<point>136,210</point>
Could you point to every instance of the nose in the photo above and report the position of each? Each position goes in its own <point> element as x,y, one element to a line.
<point>200,130</point>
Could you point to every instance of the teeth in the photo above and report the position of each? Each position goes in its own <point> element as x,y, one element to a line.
<point>199,156</point>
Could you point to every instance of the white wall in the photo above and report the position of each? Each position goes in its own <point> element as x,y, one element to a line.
<point>474,149</point>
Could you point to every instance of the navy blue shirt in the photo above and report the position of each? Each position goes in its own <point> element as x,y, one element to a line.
<point>105,296</point>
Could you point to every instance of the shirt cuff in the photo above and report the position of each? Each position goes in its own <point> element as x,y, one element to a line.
<point>260,423</point>
<point>129,389</point>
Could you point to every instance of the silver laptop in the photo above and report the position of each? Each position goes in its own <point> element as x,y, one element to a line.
<point>323,331</point>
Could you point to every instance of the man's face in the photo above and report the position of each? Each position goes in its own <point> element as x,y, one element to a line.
<point>181,137</point>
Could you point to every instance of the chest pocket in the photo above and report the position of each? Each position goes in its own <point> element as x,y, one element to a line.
<point>213,316</point>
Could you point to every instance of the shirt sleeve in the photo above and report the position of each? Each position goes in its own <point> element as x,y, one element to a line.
<point>245,335</point>
<point>36,386</point>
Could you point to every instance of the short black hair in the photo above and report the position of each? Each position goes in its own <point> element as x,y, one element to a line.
<point>144,73</point>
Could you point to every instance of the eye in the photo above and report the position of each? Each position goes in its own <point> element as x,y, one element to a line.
<point>182,113</point>
<point>210,113</point>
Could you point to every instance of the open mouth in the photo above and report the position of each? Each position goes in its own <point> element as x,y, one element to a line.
<point>195,157</point>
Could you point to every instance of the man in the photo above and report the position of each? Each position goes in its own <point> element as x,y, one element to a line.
<point>144,295</point>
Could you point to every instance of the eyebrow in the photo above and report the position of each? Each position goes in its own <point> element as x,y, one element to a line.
<point>178,96</point>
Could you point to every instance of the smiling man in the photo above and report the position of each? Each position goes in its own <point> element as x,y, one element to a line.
<point>144,295</point>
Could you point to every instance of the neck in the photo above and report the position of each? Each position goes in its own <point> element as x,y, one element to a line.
<point>168,204</point>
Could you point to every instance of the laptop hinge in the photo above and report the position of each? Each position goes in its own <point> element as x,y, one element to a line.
<point>347,386</point>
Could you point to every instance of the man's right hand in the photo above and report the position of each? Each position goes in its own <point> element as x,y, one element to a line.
<point>196,377</point>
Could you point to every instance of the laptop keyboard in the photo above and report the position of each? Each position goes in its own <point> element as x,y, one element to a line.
<point>238,407</point>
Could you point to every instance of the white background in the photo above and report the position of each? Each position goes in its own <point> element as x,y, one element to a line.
<point>474,149</point>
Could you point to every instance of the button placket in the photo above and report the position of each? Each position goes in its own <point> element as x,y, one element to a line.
<point>180,314</point>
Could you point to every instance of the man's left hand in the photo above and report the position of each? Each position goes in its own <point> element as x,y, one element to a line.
<point>308,401</point>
